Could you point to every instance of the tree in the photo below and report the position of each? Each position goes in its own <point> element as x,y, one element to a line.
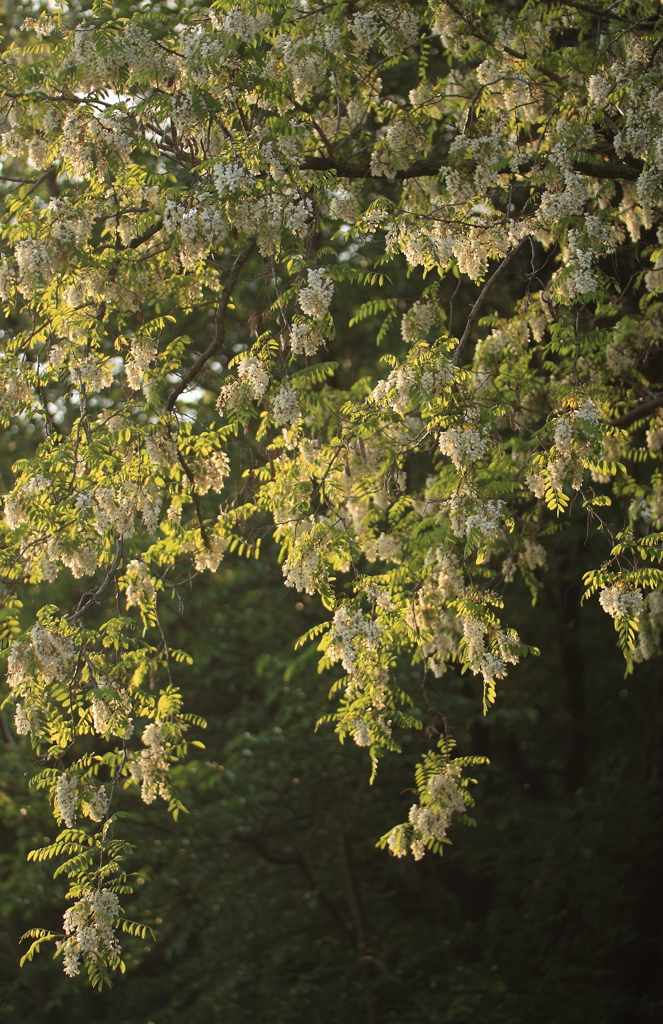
<point>227,192</point>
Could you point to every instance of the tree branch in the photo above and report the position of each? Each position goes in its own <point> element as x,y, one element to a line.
<point>476,308</point>
<point>219,327</point>
<point>95,596</point>
<point>299,861</point>
<point>611,170</point>
<point>636,414</point>
<point>145,237</point>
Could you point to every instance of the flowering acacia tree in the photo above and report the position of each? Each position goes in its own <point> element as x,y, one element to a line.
<point>274,174</point>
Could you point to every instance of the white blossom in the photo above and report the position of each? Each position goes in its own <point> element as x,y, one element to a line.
<point>618,602</point>
<point>315,297</point>
<point>212,473</point>
<point>463,446</point>
<point>254,376</point>
<point>305,339</point>
<point>140,591</point>
<point>150,766</point>
<point>285,408</point>
<point>21,721</point>
<point>65,798</point>
<point>54,653</point>
<point>98,805</point>
<point>418,321</point>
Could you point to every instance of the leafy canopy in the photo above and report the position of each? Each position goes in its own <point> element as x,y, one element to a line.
<point>199,207</point>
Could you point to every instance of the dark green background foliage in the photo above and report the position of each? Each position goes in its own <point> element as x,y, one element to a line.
<point>269,899</point>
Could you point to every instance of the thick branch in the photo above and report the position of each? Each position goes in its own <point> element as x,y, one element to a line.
<point>347,169</point>
<point>219,327</point>
<point>145,237</point>
<point>476,308</point>
<point>637,414</point>
<point>611,170</point>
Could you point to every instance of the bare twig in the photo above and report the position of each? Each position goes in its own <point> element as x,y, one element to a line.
<point>476,308</point>
<point>94,596</point>
<point>219,327</point>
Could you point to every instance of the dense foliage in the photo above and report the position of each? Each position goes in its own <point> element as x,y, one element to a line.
<point>252,251</point>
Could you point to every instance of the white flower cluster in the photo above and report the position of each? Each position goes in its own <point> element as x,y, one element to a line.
<point>651,626</point>
<point>428,615</point>
<point>35,259</point>
<point>397,842</point>
<point>307,69</point>
<point>151,766</point>
<point>301,571</point>
<point>395,390</point>
<point>463,446</point>
<point>230,177</point>
<point>436,376</point>
<point>361,732</point>
<point>89,925</point>
<point>17,665</point>
<point>98,805</point>
<point>432,822</point>
<point>101,716</point>
<point>210,557</point>
<point>109,513</point>
<point>237,23</point>
<point>444,787</point>
<point>285,408</point>
<point>654,438</point>
<point>449,577</point>
<point>582,278</point>
<point>53,652</point>
<point>534,554</point>
<point>15,396</point>
<point>254,376</point>
<point>599,88</point>
<point>66,790</point>
<point>618,602</point>
<point>418,321</point>
<point>569,203</point>
<point>344,206</point>
<point>211,475</point>
<point>201,228</point>
<point>141,591</point>
<point>387,547</point>
<point>429,824</point>
<point>14,514</point>
<point>82,562</point>
<point>94,374</point>
<point>305,339</point>
<point>7,280</point>
<point>350,631</point>
<point>315,297</point>
<point>490,665</point>
<point>141,355</point>
<point>536,483</point>
<point>161,451</point>
<point>388,27</point>
<point>21,721</point>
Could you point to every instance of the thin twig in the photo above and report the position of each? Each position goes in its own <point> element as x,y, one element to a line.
<point>219,327</point>
<point>476,308</point>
